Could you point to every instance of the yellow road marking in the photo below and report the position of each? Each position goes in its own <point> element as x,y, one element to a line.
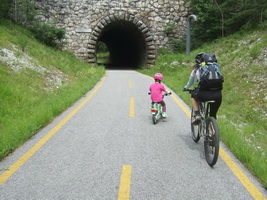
<point>32,151</point>
<point>251,188</point>
<point>131,107</point>
<point>124,192</point>
<point>130,84</point>
<point>188,113</point>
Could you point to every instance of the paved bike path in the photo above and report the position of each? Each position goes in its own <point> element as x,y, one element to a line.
<point>85,157</point>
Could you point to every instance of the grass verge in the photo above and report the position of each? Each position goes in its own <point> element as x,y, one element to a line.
<point>37,83</point>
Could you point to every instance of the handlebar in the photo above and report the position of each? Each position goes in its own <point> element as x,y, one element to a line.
<point>166,94</point>
<point>188,90</point>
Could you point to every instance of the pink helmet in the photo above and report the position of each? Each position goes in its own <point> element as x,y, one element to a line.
<point>158,76</point>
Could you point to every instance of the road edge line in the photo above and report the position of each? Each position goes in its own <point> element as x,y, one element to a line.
<point>250,187</point>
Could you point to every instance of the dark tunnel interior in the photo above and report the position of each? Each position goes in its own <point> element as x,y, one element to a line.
<point>126,44</point>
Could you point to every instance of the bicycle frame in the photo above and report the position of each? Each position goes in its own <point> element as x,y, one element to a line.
<point>204,109</point>
<point>156,112</point>
<point>156,109</point>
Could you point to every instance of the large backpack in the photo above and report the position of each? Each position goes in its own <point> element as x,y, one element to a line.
<point>211,77</point>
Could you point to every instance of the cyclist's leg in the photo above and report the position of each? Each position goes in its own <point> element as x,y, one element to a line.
<point>163,106</point>
<point>164,114</point>
<point>195,128</point>
<point>214,107</point>
<point>152,104</point>
<point>195,103</point>
<point>194,99</point>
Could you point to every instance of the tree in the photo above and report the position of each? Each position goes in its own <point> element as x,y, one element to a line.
<point>24,12</point>
<point>218,18</point>
<point>5,6</point>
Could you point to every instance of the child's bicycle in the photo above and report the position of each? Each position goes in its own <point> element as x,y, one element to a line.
<point>156,110</point>
<point>208,128</point>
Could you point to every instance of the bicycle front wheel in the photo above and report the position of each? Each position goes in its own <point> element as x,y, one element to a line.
<point>194,129</point>
<point>211,141</point>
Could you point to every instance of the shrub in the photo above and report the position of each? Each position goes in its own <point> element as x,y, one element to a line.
<point>49,35</point>
<point>178,45</point>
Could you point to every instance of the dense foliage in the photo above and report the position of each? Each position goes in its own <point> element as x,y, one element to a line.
<point>4,8</point>
<point>218,18</point>
<point>23,12</point>
<point>49,35</point>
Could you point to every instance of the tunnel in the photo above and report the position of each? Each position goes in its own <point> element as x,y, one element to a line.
<point>126,44</point>
<point>127,39</point>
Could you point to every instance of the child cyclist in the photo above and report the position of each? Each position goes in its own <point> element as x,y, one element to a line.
<point>156,90</point>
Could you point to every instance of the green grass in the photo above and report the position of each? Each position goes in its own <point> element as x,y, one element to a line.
<point>242,115</point>
<point>31,98</point>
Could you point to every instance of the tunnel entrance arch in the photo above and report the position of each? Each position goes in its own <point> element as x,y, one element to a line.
<point>127,38</point>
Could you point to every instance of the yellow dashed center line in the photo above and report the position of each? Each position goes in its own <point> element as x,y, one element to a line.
<point>124,192</point>
<point>130,84</point>
<point>131,114</point>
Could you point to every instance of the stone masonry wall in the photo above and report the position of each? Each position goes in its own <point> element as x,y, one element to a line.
<point>80,18</point>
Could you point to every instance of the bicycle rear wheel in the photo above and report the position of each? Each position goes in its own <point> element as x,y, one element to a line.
<point>154,118</point>
<point>194,129</point>
<point>211,141</point>
<point>157,116</point>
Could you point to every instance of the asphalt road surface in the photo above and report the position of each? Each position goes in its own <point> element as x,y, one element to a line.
<point>106,147</point>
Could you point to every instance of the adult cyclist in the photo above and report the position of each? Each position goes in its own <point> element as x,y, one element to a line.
<point>203,94</point>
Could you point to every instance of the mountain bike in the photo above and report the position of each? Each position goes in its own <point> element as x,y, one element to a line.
<point>208,128</point>
<point>156,110</point>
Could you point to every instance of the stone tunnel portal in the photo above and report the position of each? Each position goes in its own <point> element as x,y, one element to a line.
<point>126,44</point>
<point>132,30</point>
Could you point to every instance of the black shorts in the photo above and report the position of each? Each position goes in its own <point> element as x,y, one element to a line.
<point>208,95</point>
